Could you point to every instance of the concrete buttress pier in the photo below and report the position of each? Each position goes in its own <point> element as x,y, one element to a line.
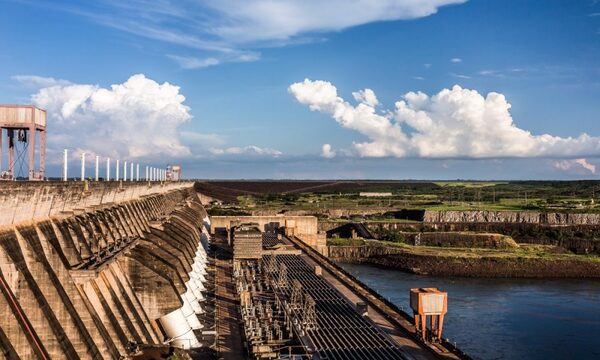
<point>85,270</point>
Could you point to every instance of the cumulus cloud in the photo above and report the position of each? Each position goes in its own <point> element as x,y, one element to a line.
<point>139,119</point>
<point>136,119</point>
<point>566,165</point>
<point>327,152</point>
<point>246,150</point>
<point>366,96</point>
<point>454,123</point>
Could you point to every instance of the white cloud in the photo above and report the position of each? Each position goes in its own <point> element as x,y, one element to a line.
<point>487,72</point>
<point>225,28</point>
<point>260,20</point>
<point>39,81</point>
<point>456,60</point>
<point>136,119</point>
<point>366,96</point>
<point>460,76</point>
<point>566,165</point>
<point>453,123</point>
<point>190,62</point>
<point>246,150</point>
<point>186,62</point>
<point>327,152</point>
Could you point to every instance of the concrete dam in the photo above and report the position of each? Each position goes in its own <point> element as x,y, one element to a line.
<point>134,270</point>
<point>85,270</point>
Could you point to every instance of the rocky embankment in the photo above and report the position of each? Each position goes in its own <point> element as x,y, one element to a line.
<point>390,257</point>
<point>460,240</point>
<point>529,217</point>
<point>579,239</point>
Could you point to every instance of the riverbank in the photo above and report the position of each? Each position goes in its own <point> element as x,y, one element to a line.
<point>527,261</point>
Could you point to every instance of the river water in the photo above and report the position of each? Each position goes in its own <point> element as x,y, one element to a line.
<point>506,318</point>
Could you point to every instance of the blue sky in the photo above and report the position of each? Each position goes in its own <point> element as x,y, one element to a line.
<point>235,67</point>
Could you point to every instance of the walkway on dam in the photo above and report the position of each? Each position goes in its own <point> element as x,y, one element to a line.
<point>229,335</point>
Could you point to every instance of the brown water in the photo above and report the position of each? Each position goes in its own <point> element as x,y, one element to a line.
<point>506,318</point>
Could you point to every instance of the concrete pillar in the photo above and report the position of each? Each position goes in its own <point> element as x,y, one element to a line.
<point>10,133</point>
<point>42,154</point>
<point>107,169</point>
<point>137,172</point>
<point>146,177</point>
<point>65,162</point>
<point>131,172</point>
<point>82,166</point>
<point>97,166</point>
<point>117,175</point>
<point>125,170</point>
<point>32,151</point>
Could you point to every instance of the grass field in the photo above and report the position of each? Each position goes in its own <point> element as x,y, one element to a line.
<point>322,196</point>
<point>525,251</point>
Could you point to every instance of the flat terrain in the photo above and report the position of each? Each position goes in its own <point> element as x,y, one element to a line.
<point>323,196</point>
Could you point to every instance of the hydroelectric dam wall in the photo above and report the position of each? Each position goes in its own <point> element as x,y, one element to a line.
<point>87,268</point>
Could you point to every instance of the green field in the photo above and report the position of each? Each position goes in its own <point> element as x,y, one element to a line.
<point>543,196</point>
<point>524,251</point>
